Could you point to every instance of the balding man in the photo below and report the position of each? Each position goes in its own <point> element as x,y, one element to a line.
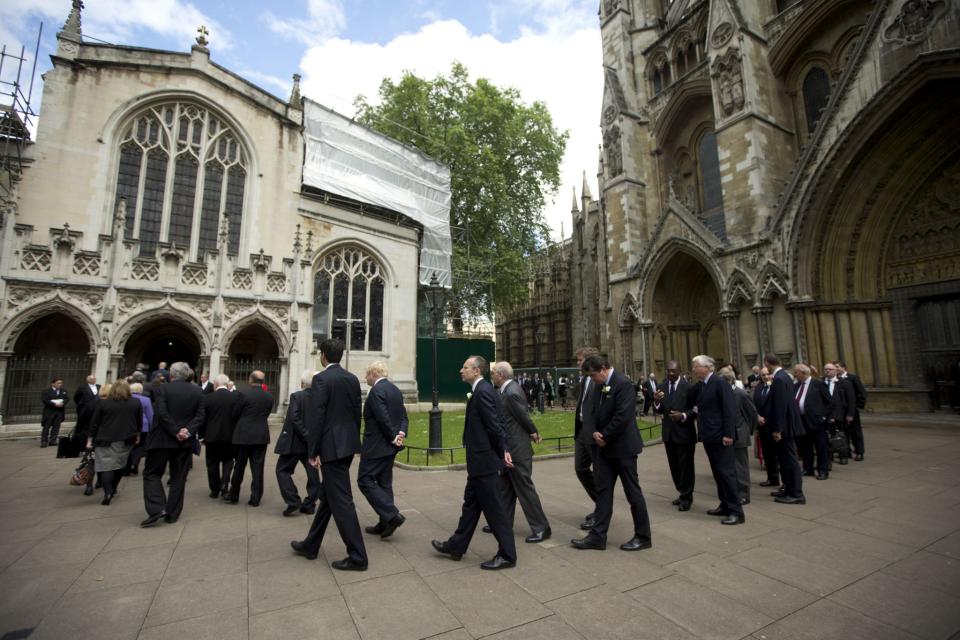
<point>216,433</point>
<point>386,425</point>
<point>250,438</point>
<point>813,402</point>
<point>520,432</point>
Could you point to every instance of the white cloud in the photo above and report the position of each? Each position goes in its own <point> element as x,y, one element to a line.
<point>559,65</point>
<point>325,19</point>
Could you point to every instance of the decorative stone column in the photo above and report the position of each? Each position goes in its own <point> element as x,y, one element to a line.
<point>799,331</point>
<point>731,319</point>
<point>626,349</point>
<point>646,346</point>
<point>4,359</point>
<point>762,313</point>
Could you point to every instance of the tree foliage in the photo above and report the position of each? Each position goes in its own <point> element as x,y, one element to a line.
<point>504,158</point>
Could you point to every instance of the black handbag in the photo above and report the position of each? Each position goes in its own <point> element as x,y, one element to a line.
<point>837,442</point>
<point>68,446</point>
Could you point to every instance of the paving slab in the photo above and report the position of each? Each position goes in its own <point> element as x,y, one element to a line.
<point>231,623</point>
<point>116,613</point>
<point>826,619</point>
<point>603,612</point>
<point>397,607</point>
<point>327,619</point>
<point>287,581</point>
<point>176,601</point>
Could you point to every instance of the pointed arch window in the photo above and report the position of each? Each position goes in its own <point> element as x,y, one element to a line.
<point>816,93</point>
<point>349,285</point>
<point>711,190</point>
<point>180,167</point>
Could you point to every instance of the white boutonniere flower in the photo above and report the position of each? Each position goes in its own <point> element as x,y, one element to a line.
<point>606,388</point>
<point>469,395</point>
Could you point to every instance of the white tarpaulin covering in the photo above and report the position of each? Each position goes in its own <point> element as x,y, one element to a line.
<point>348,159</point>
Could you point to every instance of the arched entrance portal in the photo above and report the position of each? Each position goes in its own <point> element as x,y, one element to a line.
<point>53,345</point>
<point>255,348</point>
<point>163,340</point>
<point>686,314</point>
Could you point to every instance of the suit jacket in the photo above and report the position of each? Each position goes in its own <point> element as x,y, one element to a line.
<point>517,421</point>
<point>206,387</point>
<point>816,404</point>
<point>484,434</point>
<point>294,435</point>
<point>335,426</point>
<point>585,402</point>
<point>176,405</point>
<point>615,416</point>
<point>116,421</point>
<point>251,414</point>
<point>384,417</point>
<point>843,402</point>
<point>48,395</point>
<point>746,418</point>
<point>780,412</point>
<point>684,399</point>
<point>218,420</point>
<point>716,411</point>
<point>859,391</point>
<point>84,395</point>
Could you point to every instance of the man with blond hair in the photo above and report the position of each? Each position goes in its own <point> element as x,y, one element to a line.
<point>385,422</point>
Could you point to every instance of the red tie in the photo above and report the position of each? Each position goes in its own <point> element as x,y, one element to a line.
<point>799,394</point>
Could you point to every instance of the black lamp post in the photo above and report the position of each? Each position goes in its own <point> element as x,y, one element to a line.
<point>434,298</point>
<point>540,335</point>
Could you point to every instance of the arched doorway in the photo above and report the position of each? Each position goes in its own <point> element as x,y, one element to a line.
<point>162,340</point>
<point>255,348</point>
<point>53,345</point>
<point>686,314</point>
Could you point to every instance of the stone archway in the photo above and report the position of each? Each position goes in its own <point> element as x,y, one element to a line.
<point>161,340</point>
<point>254,347</point>
<point>52,345</point>
<point>686,311</point>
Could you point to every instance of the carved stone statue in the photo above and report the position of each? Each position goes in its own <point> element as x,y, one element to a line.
<point>613,150</point>
<point>728,71</point>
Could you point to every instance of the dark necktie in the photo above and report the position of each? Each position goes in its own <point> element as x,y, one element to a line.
<point>670,392</point>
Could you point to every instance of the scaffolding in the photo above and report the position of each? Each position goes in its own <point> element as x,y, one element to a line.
<point>17,117</point>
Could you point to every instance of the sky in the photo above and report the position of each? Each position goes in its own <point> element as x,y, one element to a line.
<point>549,50</point>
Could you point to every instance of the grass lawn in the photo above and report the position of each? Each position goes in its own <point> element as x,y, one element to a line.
<point>552,425</point>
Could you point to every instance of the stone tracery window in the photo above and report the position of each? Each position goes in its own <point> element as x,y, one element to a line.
<point>349,284</point>
<point>180,167</point>
<point>816,94</point>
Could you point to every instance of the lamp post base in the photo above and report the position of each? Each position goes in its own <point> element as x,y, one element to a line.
<point>436,428</point>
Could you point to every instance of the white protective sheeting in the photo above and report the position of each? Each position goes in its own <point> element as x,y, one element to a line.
<point>348,159</point>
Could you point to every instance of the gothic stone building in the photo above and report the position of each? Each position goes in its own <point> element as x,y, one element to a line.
<point>778,176</point>
<point>160,215</point>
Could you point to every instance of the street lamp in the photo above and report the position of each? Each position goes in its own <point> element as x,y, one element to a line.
<point>540,336</point>
<point>434,300</point>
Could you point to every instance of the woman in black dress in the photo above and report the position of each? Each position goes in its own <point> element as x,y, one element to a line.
<point>114,429</point>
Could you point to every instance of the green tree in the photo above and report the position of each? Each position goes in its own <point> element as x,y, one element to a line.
<point>504,158</point>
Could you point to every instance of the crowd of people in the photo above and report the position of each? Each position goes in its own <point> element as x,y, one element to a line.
<point>802,421</point>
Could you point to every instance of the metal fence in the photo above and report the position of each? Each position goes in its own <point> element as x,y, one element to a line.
<point>27,375</point>
<point>238,369</point>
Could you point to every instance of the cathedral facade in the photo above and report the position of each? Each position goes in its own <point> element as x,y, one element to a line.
<point>778,176</point>
<point>160,215</point>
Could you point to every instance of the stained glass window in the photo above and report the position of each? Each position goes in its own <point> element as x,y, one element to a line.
<point>190,144</point>
<point>350,280</point>
<point>710,185</point>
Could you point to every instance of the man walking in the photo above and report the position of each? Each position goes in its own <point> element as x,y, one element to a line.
<point>583,435</point>
<point>216,434</point>
<point>250,438</point>
<point>385,419</point>
<point>854,428</point>
<point>781,418</point>
<point>520,432</point>
<point>675,400</point>
<point>334,430</point>
<point>486,442</point>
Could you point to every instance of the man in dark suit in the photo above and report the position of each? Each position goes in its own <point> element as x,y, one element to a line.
<point>163,372</point>
<point>813,403</point>
<point>618,444</point>
<point>84,397</point>
<point>518,484</point>
<point>583,446</point>
<point>717,430</point>
<point>54,400</point>
<point>334,430</point>
<point>746,425</point>
<point>843,405</point>
<point>854,428</point>
<point>768,447</point>
<point>291,450</point>
<point>385,419</point>
<point>178,408</point>
<point>675,400</point>
<point>485,439</point>
<point>251,435</point>
<point>206,385</point>
<point>781,418</point>
<point>216,434</point>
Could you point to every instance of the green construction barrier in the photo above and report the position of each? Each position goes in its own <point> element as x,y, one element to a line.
<point>451,352</point>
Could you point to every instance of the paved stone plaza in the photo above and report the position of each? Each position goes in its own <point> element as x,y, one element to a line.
<point>874,554</point>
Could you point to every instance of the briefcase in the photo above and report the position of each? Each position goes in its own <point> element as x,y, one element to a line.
<point>68,446</point>
<point>837,442</point>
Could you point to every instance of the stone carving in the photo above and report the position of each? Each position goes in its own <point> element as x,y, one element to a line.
<point>914,21</point>
<point>609,6</point>
<point>35,259</point>
<point>260,261</point>
<point>242,279</point>
<point>202,33</point>
<point>105,337</point>
<point>120,218</point>
<point>609,115</point>
<point>223,238</point>
<point>721,34</point>
<point>145,270</point>
<point>613,150</point>
<point>173,253</point>
<point>295,91</point>
<point>72,25</point>
<point>63,239</point>
<point>195,275</point>
<point>18,297</point>
<point>86,264</point>
<point>728,72</point>
<point>276,283</point>
<point>86,300</point>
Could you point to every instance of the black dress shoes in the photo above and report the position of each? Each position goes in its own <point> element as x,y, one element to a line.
<point>253,503</point>
<point>719,511</point>
<point>215,494</point>
<point>308,509</point>
<point>589,542</point>
<point>169,519</point>
<point>858,457</point>
<point>375,530</point>
<point>497,562</point>
<point>844,460</point>
<point>291,511</point>
<point>744,500</point>
<point>636,544</point>
<point>391,526</point>
<point>785,499</point>
<point>444,548</point>
<point>43,445</point>
<point>588,523</point>
<point>734,518</point>
<point>487,529</point>
<point>767,483</point>
<point>539,536</point>
<point>106,499</point>
<point>230,499</point>
<point>779,493</point>
<point>676,502</point>
<point>301,550</point>
<point>88,491</point>
<point>154,519</point>
<point>823,476</point>
<point>684,506</point>
<point>349,564</point>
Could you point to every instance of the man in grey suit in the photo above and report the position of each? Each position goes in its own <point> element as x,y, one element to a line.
<point>746,425</point>
<point>518,484</point>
